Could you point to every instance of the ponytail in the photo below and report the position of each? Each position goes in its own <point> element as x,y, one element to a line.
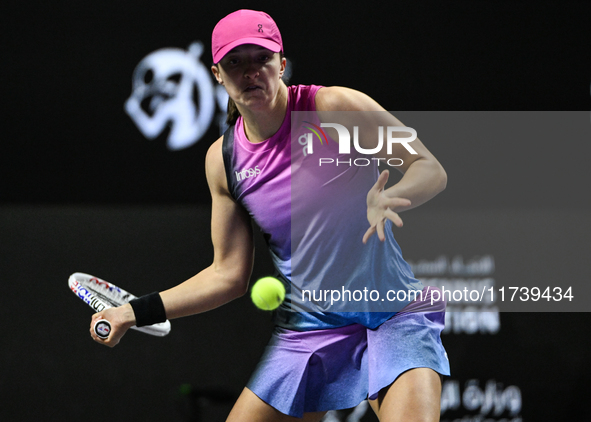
<point>233,113</point>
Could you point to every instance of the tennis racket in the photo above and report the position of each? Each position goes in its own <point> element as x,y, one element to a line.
<point>101,295</point>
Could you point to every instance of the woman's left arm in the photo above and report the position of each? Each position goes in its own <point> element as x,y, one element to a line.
<point>423,176</point>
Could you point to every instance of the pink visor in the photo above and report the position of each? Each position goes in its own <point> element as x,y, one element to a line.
<point>245,27</point>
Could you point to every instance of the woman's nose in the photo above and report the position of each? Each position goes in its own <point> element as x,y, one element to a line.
<point>251,70</point>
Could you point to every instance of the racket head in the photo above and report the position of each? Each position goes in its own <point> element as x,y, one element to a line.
<point>100,295</point>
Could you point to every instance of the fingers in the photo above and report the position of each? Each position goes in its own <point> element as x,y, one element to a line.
<point>393,217</point>
<point>379,227</point>
<point>368,234</point>
<point>93,321</point>
<point>382,180</point>
<point>109,341</point>
<point>397,203</point>
<point>380,231</point>
<point>380,207</point>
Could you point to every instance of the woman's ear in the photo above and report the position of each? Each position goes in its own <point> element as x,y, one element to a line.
<point>282,67</point>
<point>216,74</point>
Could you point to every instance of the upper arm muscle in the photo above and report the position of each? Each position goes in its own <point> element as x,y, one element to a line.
<point>231,229</point>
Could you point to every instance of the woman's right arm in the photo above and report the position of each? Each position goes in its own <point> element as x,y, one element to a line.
<point>224,280</point>
<point>231,231</point>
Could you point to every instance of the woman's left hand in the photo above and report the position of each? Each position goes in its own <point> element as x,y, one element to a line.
<point>381,207</point>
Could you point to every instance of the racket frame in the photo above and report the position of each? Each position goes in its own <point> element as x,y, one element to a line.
<point>100,295</point>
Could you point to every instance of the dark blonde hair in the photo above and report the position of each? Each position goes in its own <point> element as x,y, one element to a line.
<point>233,112</point>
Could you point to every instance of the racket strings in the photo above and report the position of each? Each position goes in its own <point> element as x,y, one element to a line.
<point>115,296</point>
<point>105,298</point>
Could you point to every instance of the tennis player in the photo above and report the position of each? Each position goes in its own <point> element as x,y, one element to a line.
<point>317,360</point>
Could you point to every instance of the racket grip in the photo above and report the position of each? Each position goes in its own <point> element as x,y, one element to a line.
<point>102,328</point>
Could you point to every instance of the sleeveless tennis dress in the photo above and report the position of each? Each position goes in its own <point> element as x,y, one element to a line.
<point>326,353</point>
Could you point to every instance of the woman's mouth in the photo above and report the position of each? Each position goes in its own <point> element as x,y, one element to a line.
<point>251,88</point>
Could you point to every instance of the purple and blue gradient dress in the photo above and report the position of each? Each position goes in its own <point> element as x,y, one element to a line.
<point>327,354</point>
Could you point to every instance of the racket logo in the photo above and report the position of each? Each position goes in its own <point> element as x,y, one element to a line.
<point>102,329</point>
<point>87,297</point>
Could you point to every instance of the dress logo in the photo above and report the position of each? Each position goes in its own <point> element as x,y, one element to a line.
<point>247,173</point>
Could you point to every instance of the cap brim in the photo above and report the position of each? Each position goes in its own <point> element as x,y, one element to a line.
<point>268,44</point>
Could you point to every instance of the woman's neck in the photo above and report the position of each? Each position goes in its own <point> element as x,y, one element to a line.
<point>261,124</point>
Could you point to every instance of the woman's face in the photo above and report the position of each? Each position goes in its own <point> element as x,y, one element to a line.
<point>251,74</point>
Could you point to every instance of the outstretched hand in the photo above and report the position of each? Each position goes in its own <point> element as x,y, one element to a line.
<point>381,207</point>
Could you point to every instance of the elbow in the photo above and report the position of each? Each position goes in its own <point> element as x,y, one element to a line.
<point>239,284</point>
<point>233,277</point>
<point>230,284</point>
<point>240,288</point>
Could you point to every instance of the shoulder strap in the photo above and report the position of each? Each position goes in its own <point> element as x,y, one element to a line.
<point>228,155</point>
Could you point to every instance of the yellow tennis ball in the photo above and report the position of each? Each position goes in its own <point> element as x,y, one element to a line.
<point>267,293</point>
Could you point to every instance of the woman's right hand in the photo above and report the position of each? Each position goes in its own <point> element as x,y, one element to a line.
<point>121,320</point>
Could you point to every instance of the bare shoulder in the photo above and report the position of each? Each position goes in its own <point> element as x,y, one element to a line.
<point>214,167</point>
<point>339,98</point>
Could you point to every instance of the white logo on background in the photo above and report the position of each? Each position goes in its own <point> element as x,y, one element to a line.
<point>345,138</point>
<point>171,87</point>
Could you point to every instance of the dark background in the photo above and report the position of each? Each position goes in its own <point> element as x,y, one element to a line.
<point>69,65</point>
<point>82,190</point>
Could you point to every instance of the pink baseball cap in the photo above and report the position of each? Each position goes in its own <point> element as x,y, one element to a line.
<point>245,27</point>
